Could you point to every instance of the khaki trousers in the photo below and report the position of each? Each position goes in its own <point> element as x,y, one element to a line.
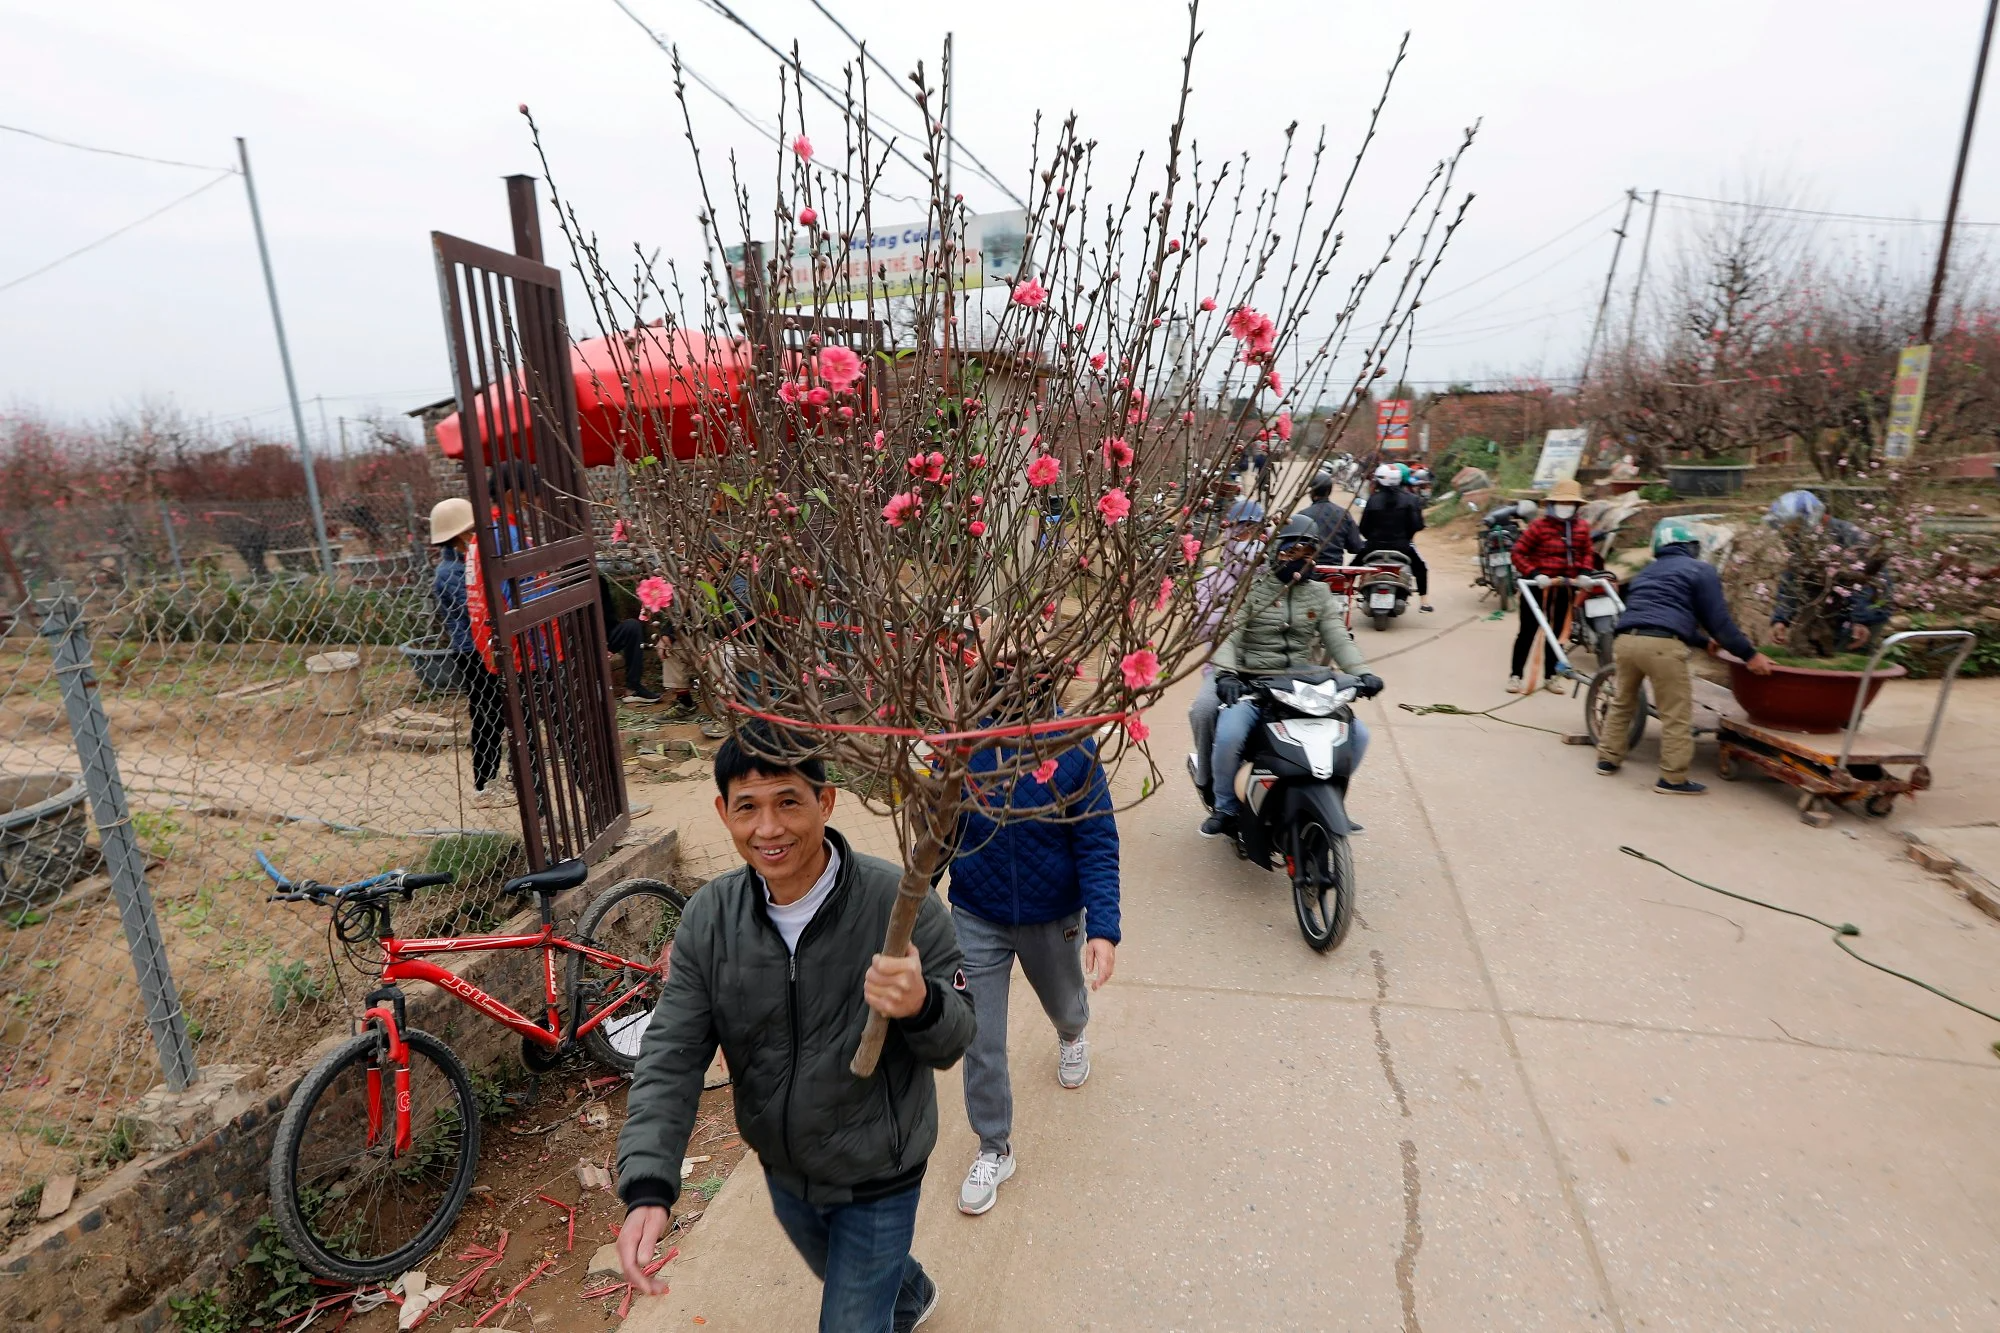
<point>1662,664</point>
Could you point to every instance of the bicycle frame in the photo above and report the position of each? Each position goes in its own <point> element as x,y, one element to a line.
<point>406,963</point>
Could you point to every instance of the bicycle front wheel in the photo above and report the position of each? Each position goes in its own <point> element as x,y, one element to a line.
<point>636,920</point>
<point>357,1211</point>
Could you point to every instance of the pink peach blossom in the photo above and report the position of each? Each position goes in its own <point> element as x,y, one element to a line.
<point>1136,728</point>
<point>1114,505</point>
<point>1045,770</point>
<point>818,395</point>
<point>1166,594</point>
<point>1190,547</point>
<point>1044,471</point>
<point>1208,303</point>
<point>900,509</point>
<point>976,528</point>
<point>1277,384</point>
<point>840,367</point>
<point>803,147</point>
<point>1284,425</point>
<point>1097,361</point>
<point>618,531</point>
<point>1140,668</point>
<point>655,594</point>
<point>1116,452</point>
<point>808,218</point>
<point>1030,294</point>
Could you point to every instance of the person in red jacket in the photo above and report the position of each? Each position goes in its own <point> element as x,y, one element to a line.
<point>1556,544</point>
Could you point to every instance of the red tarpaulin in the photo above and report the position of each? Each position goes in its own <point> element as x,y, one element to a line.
<point>671,374</point>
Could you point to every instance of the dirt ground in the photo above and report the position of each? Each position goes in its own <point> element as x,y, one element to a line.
<point>254,978</point>
<point>532,1150</point>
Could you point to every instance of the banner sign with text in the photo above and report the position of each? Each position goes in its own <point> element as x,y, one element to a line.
<point>1562,452</point>
<point>1906,409</point>
<point>899,256</point>
<point>1392,424</point>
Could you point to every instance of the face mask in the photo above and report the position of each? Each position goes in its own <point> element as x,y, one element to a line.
<point>1288,571</point>
<point>1563,513</point>
<point>1245,547</point>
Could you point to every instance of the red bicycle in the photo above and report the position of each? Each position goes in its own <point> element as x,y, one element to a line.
<point>376,1152</point>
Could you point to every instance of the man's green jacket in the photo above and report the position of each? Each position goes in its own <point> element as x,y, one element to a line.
<point>788,1024</point>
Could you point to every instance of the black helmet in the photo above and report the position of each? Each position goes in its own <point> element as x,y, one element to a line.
<point>1298,528</point>
<point>1322,484</point>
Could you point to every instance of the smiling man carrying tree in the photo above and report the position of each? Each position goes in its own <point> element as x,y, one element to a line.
<point>773,962</point>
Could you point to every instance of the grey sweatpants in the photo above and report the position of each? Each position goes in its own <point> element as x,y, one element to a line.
<point>1052,956</point>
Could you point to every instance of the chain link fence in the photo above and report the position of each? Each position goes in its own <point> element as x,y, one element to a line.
<point>182,687</point>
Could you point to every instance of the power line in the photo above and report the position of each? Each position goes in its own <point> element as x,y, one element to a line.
<point>112,152</point>
<point>1567,231</point>
<point>872,59</point>
<point>112,236</point>
<point>817,84</point>
<point>1817,212</point>
<point>670,51</point>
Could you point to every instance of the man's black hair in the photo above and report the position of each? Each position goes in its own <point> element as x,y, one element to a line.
<point>758,748</point>
<point>1322,486</point>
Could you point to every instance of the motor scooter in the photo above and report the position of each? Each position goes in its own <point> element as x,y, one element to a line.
<point>1385,590</point>
<point>1291,793</point>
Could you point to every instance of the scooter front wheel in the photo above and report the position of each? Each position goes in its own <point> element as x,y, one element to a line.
<point>1322,873</point>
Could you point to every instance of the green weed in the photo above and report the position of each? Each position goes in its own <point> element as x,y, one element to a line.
<point>296,986</point>
<point>203,1312</point>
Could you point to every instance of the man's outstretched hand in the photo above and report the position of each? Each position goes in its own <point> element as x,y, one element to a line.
<point>637,1239</point>
<point>1759,664</point>
<point>894,987</point>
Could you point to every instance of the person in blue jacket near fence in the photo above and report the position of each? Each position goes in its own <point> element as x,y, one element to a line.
<point>1044,889</point>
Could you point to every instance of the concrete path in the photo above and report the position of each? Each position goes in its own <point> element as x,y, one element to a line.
<point>1541,1086</point>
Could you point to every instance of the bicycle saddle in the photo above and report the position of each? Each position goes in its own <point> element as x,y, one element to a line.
<point>557,878</point>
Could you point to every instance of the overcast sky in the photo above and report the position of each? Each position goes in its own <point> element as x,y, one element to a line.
<point>371,124</point>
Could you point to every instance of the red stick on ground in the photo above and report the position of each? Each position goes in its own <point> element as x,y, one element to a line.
<point>569,1215</point>
<point>519,1287</point>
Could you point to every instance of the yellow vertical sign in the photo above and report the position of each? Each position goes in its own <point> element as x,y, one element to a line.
<point>1913,371</point>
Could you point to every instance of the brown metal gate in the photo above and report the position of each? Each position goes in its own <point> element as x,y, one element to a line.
<point>511,369</point>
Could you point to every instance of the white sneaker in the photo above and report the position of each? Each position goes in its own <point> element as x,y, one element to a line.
<point>1554,685</point>
<point>981,1189</point>
<point>1072,1062</point>
<point>1513,684</point>
<point>493,798</point>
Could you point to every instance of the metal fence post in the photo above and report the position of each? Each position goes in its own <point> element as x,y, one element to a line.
<point>62,626</point>
<point>173,542</point>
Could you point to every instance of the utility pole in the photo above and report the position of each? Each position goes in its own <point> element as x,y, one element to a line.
<point>1958,176</point>
<point>285,358</point>
<point>1638,285</point>
<point>1597,327</point>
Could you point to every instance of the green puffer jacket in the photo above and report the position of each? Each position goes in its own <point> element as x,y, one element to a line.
<point>788,1025</point>
<point>1279,626</point>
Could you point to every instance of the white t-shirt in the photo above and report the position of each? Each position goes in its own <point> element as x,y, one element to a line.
<point>791,919</point>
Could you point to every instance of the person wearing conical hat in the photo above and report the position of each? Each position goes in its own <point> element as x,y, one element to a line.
<point>1557,545</point>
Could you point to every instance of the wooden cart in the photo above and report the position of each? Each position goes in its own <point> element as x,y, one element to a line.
<point>1839,768</point>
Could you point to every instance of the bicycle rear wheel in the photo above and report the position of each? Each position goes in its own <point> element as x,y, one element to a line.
<point>636,919</point>
<point>356,1211</point>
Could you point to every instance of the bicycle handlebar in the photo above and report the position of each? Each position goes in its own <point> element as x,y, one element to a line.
<point>389,881</point>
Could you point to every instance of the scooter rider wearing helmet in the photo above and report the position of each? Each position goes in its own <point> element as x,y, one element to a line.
<point>1339,535</point>
<point>1286,618</point>
<point>1672,606</point>
<point>1391,520</point>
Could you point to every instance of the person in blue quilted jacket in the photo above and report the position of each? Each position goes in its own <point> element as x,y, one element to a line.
<point>1043,890</point>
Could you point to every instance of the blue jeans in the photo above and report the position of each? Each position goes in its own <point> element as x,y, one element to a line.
<point>1232,731</point>
<point>861,1251</point>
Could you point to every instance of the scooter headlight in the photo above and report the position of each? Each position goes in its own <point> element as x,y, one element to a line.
<point>1313,700</point>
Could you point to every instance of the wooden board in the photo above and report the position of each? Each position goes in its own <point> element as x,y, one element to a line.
<point>1822,749</point>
